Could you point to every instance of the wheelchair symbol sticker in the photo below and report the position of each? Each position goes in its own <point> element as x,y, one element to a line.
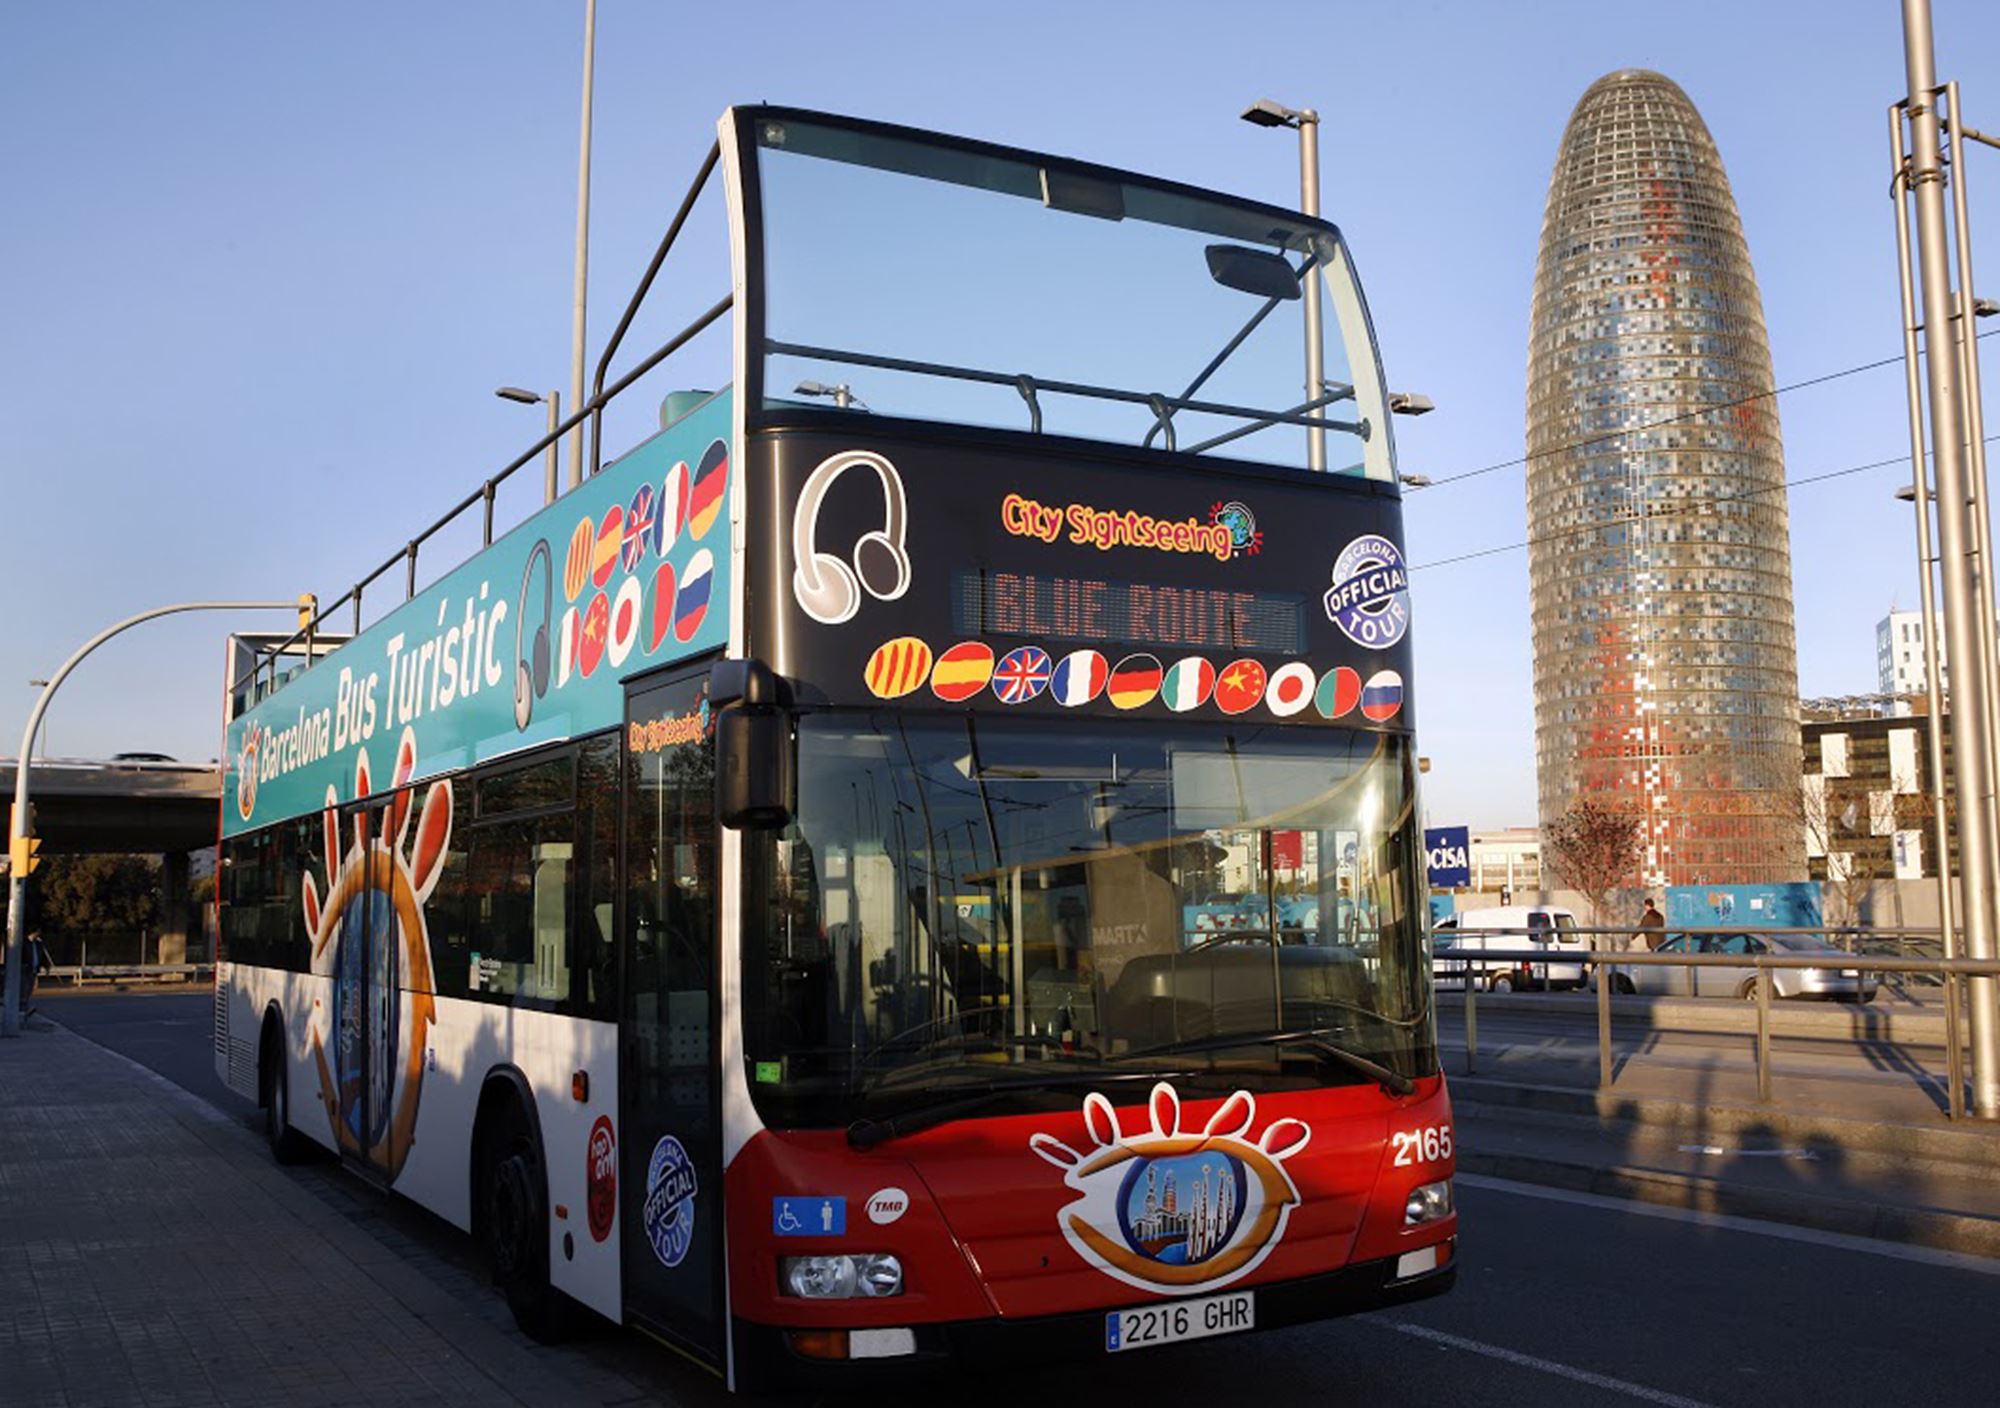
<point>809,1217</point>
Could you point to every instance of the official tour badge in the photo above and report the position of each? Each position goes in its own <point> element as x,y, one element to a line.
<point>1370,597</point>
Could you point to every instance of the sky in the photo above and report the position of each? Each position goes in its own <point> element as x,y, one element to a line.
<point>263,266</point>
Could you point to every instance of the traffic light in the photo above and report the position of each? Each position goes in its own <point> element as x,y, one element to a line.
<point>23,855</point>
<point>308,608</point>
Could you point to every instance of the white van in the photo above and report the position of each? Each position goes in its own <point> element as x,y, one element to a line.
<point>1540,927</point>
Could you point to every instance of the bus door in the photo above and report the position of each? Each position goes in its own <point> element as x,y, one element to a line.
<point>671,1140</point>
<point>367,1009</point>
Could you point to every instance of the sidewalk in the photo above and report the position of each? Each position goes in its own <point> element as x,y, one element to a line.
<point>151,1253</point>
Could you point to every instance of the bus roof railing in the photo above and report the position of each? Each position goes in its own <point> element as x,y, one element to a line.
<point>591,410</point>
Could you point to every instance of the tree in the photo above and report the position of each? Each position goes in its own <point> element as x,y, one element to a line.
<point>97,893</point>
<point>1593,850</point>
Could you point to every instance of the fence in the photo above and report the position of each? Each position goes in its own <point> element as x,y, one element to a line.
<point>1481,962</point>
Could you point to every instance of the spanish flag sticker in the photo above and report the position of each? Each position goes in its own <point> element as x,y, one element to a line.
<point>962,671</point>
<point>897,667</point>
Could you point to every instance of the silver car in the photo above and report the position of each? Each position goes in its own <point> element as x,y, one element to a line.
<point>1720,980</point>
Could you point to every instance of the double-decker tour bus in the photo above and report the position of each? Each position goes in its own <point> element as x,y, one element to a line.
<point>920,858</point>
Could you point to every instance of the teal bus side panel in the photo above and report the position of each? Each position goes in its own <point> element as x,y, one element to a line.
<point>638,574</point>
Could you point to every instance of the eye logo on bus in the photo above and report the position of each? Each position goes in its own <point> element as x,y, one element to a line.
<point>370,937</point>
<point>1171,1211</point>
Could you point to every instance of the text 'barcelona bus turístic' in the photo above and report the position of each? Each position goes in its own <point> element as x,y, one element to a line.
<point>920,858</point>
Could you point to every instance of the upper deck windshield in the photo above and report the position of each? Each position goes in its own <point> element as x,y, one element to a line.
<point>911,276</point>
<point>971,903</point>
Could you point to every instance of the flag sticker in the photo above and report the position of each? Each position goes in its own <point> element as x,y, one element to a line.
<point>1338,693</point>
<point>625,613</point>
<point>1240,687</point>
<point>693,603</point>
<point>1382,696</point>
<point>576,567</point>
<point>663,607</point>
<point>1135,681</point>
<point>962,671</point>
<point>897,667</point>
<point>571,635</point>
<point>610,537</point>
<point>639,525</point>
<point>1023,673</point>
<point>1291,689</point>
<point>1189,684</point>
<point>673,505</point>
<point>596,626</point>
<point>705,493</point>
<point>1079,678</point>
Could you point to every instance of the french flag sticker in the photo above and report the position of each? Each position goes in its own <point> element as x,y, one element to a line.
<point>1382,696</point>
<point>1080,678</point>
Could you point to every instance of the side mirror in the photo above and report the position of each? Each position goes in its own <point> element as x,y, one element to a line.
<point>1259,271</point>
<point>753,766</point>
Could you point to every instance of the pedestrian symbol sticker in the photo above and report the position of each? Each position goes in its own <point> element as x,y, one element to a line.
<point>809,1217</point>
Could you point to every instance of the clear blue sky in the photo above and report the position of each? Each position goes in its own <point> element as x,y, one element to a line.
<point>263,265</point>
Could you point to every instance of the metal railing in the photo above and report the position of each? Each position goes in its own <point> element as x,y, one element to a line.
<point>1594,961</point>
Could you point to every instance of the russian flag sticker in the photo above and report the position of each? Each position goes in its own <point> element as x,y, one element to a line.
<point>692,605</point>
<point>1291,689</point>
<point>1080,678</point>
<point>1382,696</point>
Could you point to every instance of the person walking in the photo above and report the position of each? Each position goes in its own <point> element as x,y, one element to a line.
<point>1652,928</point>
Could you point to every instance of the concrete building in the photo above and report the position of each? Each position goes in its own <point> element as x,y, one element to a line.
<point>1899,655</point>
<point>1506,862</point>
<point>1868,796</point>
<point>1666,679</point>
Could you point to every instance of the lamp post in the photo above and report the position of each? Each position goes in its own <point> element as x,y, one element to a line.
<point>554,401</point>
<point>582,243</point>
<point>20,846</point>
<point>1265,113</point>
<point>42,738</point>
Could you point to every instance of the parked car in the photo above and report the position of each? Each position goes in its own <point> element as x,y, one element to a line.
<point>1471,931</point>
<point>1720,980</point>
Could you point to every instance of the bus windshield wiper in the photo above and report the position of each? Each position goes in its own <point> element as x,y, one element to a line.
<point>1315,1039</point>
<point>866,1133</point>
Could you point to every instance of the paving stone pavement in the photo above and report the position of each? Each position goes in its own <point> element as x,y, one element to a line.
<point>151,1253</point>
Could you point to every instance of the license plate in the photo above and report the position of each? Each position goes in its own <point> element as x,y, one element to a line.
<point>1179,1320</point>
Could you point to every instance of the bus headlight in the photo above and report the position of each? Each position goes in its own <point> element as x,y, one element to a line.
<point>841,1277</point>
<point>1428,1203</point>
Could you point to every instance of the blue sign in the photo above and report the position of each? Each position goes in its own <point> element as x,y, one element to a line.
<point>669,1209</point>
<point>1447,856</point>
<point>1785,906</point>
<point>809,1217</point>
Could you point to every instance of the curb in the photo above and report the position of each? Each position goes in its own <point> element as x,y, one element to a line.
<point>1951,1145</point>
<point>1922,1227</point>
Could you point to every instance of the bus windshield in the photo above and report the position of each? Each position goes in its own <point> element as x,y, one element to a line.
<point>963,901</point>
<point>906,275</point>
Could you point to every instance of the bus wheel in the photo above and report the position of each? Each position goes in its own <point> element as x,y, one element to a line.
<point>288,1146</point>
<point>514,1198</point>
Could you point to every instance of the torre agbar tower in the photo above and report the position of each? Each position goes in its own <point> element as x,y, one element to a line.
<point>1666,679</point>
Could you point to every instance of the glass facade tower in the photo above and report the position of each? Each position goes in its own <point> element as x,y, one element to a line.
<point>1666,678</point>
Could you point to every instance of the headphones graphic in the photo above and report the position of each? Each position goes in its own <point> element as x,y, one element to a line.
<point>826,588</point>
<point>531,677</point>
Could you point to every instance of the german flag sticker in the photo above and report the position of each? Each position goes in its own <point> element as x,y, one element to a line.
<point>1135,681</point>
<point>962,671</point>
<point>897,667</point>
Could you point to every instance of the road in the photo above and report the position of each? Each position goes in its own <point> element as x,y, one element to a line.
<point>1562,1299</point>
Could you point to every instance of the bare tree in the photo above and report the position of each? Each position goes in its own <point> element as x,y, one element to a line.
<point>1593,850</point>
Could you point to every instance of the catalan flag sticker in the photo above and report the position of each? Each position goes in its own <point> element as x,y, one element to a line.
<point>1080,677</point>
<point>1382,696</point>
<point>1135,681</point>
<point>1290,689</point>
<point>898,667</point>
<point>705,494</point>
<point>1240,687</point>
<point>1188,684</point>
<point>962,671</point>
<point>1339,691</point>
<point>576,567</point>
<point>610,538</point>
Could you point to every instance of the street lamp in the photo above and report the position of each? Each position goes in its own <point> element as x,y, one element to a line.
<point>42,733</point>
<point>1265,113</point>
<point>1410,403</point>
<point>842,394</point>
<point>582,246</point>
<point>554,400</point>
<point>1416,481</point>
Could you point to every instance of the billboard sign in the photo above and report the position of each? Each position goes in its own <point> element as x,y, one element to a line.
<point>1448,856</point>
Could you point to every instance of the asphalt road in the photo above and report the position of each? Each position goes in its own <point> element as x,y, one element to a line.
<point>1562,1299</point>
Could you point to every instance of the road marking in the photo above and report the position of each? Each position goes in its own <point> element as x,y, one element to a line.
<point>1544,1366</point>
<point>1841,1241</point>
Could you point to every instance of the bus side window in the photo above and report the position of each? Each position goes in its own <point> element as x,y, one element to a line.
<point>444,912</point>
<point>594,992</point>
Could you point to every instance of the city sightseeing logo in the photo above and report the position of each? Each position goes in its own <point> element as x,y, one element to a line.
<point>246,776</point>
<point>1167,1211</point>
<point>370,938</point>
<point>1241,525</point>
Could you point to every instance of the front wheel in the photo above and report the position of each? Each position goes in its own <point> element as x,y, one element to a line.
<point>514,1201</point>
<point>1621,985</point>
<point>1500,982</point>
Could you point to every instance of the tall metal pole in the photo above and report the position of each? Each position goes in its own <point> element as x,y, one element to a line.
<point>1957,545</point>
<point>582,244</point>
<point>550,473</point>
<point>1926,564</point>
<point>17,882</point>
<point>1315,348</point>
